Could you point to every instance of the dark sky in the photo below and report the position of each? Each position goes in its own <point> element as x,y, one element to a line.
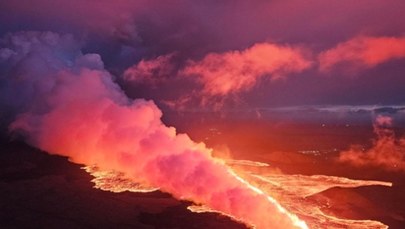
<point>218,54</point>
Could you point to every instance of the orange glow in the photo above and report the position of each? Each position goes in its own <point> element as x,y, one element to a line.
<point>246,163</point>
<point>203,209</point>
<point>296,221</point>
<point>306,186</point>
<point>292,194</point>
<point>115,181</point>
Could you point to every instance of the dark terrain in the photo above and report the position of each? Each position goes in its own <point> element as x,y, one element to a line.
<point>46,191</point>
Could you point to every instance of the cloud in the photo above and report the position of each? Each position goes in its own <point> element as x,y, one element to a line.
<point>152,71</point>
<point>387,151</point>
<point>124,32</point>
<point>102,17</point>
<point>362,52</point>
<point>219,76</point>
<point>38,54</point>
<point>237,71</point>
<point>79,112</point>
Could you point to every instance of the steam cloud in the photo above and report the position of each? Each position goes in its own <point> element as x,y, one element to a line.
<point>387,150</point>
<point>363,52</point>
<point>73,108</point>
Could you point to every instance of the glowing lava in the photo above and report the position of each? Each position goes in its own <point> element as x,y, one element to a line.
<point>115,181</point>
<point>290,194</point>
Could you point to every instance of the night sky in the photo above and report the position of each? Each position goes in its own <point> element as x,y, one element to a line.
<point>272,53</point>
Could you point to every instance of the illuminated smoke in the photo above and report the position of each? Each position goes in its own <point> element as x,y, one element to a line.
<point>81,113</point>
<point>387,151</point>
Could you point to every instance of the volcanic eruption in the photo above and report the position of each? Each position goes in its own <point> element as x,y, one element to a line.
<point>77,111</point>
<point>234,108</point>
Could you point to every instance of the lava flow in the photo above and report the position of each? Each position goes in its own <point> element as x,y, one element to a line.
<point>291,191</point>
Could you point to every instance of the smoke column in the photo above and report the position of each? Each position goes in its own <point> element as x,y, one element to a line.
<point>386,152</point>
<point>71,106</point>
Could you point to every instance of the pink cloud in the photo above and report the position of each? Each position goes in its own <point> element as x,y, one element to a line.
<point>236,71</point>
<point>387,151</point>
<point>363,52</point>
<point>151,71</point>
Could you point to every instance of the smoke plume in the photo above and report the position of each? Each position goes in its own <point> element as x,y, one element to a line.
<point>73,108</point>
<point>387,151</point>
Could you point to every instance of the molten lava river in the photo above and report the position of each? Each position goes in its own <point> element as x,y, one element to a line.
<point>293,192</point>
